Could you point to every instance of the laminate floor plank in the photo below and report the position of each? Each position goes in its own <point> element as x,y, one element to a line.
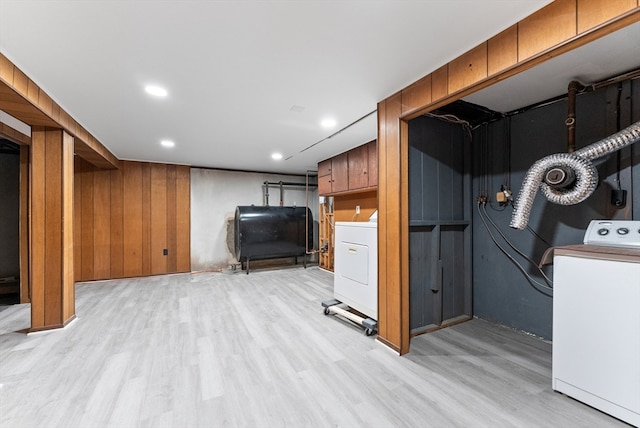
<point>236,350</point>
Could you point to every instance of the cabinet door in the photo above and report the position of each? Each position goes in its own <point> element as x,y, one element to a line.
<point>358,165</point>
<point>373,163</point>
<point>340,173</point>
<point>324,185</point>
<point>324,168</point>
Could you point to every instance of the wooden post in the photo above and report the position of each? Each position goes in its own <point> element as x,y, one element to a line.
<point>51,227</point>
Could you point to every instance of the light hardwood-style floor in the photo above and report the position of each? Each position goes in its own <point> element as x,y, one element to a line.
<point>229,349</point>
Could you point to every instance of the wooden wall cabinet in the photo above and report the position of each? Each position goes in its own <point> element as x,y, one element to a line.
<point>333,175</point>
<point>354,170</point>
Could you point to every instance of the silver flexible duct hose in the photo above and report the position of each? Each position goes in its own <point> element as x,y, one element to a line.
<point>580,163</point>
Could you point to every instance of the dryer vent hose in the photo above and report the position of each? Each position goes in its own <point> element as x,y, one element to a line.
<point>579,163</point>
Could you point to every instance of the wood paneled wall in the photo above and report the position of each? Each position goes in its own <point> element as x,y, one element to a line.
<point>126,218</point>
<point>555,29</point>
<point>344,206</point>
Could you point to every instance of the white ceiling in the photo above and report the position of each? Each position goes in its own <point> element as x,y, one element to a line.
<point>239,72</point>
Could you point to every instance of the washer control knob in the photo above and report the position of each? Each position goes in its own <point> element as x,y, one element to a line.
<point>603,232</point>
<point>623,231</point>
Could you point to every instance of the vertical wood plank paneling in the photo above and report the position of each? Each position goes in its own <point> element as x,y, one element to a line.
<point>416,95</point>
<point>79,166</point>
<point>158,216</point>
<point>439,83</point>
<point>546,28</point>
<point>117,224</point>
<point>389,245</point>
<point>24,225</point>
<point>37,224</point>
<point>132,185</point>
<point>383,320</point>
<point>502,50</point>
<point>592,13</point>
<point>183,212</point>
<point>373,163</point>
<point>87,218</point>
<point>403,238</point>
<point>146,219</point>
<point>101,224</point>
<point>468,69</point>
<point>68,283</point>
<point>53,228</point>
<point>172,242</point>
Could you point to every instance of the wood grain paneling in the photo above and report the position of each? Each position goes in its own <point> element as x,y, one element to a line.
<point>502,50</point>
<point>389,182</point>
<point>546,28</point>
<point>358,159</point>
<point>158,218</point>
<point>373,163</point>
<point>183,219</point>
<point>86,223</point>
<point>51,246</point>
<point>417,94</point>
<point>468,68</point>
<point>68,261</point>
<point>101,224</point>
<point>117,225</point>
<point>440,83</point>
<point>592,13</point>
<point>132,179</point>
<point>344,206</point>
<point>172,221</point>
<point>123,214</point>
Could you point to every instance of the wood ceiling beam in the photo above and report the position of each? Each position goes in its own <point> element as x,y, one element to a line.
<point>23,99</point>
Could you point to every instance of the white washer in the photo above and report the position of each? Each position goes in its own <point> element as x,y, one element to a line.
<point>596,327</point>
<point>356,266</point>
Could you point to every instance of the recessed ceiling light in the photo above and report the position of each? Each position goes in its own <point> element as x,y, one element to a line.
<point>167,143</point>
<point>276,156</point>
<point>156,91</point>
<point>328,123</point>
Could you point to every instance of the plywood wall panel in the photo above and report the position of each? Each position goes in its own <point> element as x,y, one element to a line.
<point>592,13</point>
<point>37,209</point>
<point>132,182</point>
<point>68,261</point>
<point>502,51</point>
<point>440,83</point>
<point>183,218</point>
<point>101,224</point>
<point>172,257</point>
<point>468,69</point>
<point>158,218</point>
<point>53,229</point>
<point>78,169</point>
<point>146,219</point>
<point>383,320</point>
<point>87,225</point>
<point>546,28</point>
<point>117,224</point>
<point>417,94</point>
<point>344,206</point>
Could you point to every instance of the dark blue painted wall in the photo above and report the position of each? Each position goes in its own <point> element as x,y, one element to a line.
<point>501,293</point>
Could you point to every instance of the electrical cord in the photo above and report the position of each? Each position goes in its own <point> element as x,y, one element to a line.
<point>529,259</point>
<point>540,288</point>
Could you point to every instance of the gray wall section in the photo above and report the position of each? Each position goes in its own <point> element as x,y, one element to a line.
<point>9,215</point>
<point>214,197</point>
<point>502,293</point>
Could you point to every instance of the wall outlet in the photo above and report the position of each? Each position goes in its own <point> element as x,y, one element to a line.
<point>165,252</point>
<point>357,209</point>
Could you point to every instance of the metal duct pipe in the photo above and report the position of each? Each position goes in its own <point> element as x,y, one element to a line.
<point>586,175</point>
